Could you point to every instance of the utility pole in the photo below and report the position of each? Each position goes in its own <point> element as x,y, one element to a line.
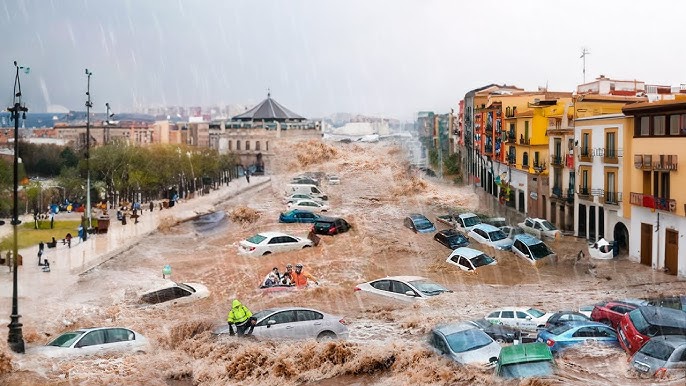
<point>15,337</point>
<point>584,52</point>
<point>106,138</point>
<point>89,104</point>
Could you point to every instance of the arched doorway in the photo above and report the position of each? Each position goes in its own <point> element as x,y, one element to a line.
<point>621,236</point>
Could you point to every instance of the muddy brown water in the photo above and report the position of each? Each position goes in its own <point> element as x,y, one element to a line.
<point>387,341</point>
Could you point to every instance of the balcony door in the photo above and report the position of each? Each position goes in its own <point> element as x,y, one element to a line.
<point>672,251</point>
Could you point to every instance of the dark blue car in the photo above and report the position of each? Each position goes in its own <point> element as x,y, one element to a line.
<point>573,333</point>
<point>451,238</point>
<point>419,223</point>
<point>298,215</point>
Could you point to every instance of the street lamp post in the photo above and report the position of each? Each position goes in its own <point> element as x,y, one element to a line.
<point>15,337</point>
<point>89,104</point>
<point>106,135</point>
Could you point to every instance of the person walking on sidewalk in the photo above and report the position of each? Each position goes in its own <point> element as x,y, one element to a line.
<point>247,175</point>
<point>41,247</point>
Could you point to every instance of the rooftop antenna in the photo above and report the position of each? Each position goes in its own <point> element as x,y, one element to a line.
<point>584,52</point>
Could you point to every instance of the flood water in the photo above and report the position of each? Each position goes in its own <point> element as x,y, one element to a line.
<point>387,337</point>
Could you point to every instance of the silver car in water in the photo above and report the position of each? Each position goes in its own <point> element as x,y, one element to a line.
<point>296,323</point>
<point>662,356</point>
<point>465,344</point>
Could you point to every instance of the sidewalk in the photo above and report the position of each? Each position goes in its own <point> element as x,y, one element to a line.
<point>66,264</point>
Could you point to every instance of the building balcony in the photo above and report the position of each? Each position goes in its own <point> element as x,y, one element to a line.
<point>610,156</point>
<point>488,149</point>
<point>557,191</point>
<point>511,137</point>
<point>653,202</point>
<point>556,160</point>
<point>612,198</point>
<point>584,192</point>
<point>539,166</point>
<point>585,154</point>
<point>523,141</point>
<point>511,160</point>
<point>570,195</point>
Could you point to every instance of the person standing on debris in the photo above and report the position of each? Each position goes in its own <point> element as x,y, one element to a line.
<point>300,277</point>
<point>241,316</point>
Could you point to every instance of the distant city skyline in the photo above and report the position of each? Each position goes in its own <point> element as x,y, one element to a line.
<point>380,58</point>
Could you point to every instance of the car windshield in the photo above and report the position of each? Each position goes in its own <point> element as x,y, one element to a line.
<point>468,340</point>
<point>422,223</point>
<point>527,370</point>
<point>456,239</point>
<point>548,225</point>
<point>471,221</point>
<point>540,250</point>
<point>428,288</point>
<point>497,235</point>
<point>535,313</point>
<point>256,239</point>
<point>482,259</point>
<point>639,322</point>
<point>561,329</point>
<point>657,350</point>
<point>66,339</point>
<point>483,323</point>
<point>262,314</point>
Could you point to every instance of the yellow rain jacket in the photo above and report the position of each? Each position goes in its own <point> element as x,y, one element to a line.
<point>239,313</point>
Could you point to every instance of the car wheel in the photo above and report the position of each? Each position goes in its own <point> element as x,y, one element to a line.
<point>500,339</point>
<point>326,336</point>
<point>606,322</point>
<point>266,253</point>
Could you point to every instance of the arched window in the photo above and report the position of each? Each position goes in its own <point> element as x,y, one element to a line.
<point>247,145</point>
<point>230,143</point>
<point>525,159</point>
<point>513,155</point>
<point>257,145</point>
<point>238,145</point>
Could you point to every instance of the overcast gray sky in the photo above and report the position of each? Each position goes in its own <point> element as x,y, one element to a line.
<point>390,58</point>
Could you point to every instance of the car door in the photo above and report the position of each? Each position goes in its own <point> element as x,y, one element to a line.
<point>466,264</point>
<point>494,317</point>
<point>582,335</point>
<point>604,334</point>
<point>280,325</point>
<point>383,287</point>
<point>92,342</point>
<point>525,321</point>
<point>400,289</point>
<point>308,324</point>
<point>288,243</point>
<point>408,223</point>
<point>507,318</point>
<point>119,339</point>
<point>439,343</point>
<point>275,244</point>
<point>440,237</point>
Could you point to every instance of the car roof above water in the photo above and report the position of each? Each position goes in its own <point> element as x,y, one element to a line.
<point>466,252</point>
<point>524,353</point>
<point>447,329</point>
<point>527,239</point>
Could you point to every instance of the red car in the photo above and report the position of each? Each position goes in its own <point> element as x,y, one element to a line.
<point>611,313</point>
<point>639,325</point>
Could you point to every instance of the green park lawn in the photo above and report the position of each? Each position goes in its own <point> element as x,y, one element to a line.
<point>28,236</point>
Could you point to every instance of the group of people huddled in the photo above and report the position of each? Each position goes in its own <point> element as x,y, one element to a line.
<point>298,278</point>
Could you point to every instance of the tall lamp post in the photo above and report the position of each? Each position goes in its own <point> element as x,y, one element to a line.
<point>89,104</point>
<point>106,135</point>
<point>15,337</point>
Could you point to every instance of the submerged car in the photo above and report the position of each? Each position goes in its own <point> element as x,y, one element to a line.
<point>661,357</point>
<point>611,312</point>
<point>491,236</point>
<point>562,317</point>
<point>451,238</point>
<point>271,242</point>
<point>403,287</point>
<point>528,360</point>
<point>296,323</point>
<point>309,205</point>
<point>464,344</point>
<point>642,324</point>
<point>573,333</point>
<point>529,319</point>
<point>530,248</point>
<point>540,228</point>
<point>299,216</point>
<point>176,292</point>
<point>330,226</point>
<point>299,196</point>
<point>466,221</point>
<point>91,341</point>
<point>419,223</point>
<point>468,259</point>
<point>499,333</point>
<point>677,302</point>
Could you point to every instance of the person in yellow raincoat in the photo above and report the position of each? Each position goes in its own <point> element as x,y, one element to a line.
<point>241,316</point>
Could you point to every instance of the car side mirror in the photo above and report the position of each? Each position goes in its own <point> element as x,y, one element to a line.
<point>528,318</point>
<point>410,293</point>
<point>270,323</point>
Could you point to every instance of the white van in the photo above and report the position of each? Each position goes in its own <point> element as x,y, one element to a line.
<point>310,190</point>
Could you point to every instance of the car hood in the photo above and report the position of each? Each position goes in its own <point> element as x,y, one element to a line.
<point>480,356</point>
<point>504,243</point>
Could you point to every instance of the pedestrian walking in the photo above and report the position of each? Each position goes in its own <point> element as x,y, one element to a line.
<point>41,247</point>
<point>68,238</point>
<point>247,175</point>
<point>152,205</point>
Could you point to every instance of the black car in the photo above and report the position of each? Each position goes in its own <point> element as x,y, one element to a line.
<point>562,317</point>
<point>499,332</point>
<point>330,225</point>
<point>451,238</point>
<point>677,302</point>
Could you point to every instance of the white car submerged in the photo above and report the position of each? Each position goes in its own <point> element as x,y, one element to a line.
<point>523,318</point>
<point>265,243</point>
<point>403,287</point>
<point>311,205</point>
<point>92,341</point>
